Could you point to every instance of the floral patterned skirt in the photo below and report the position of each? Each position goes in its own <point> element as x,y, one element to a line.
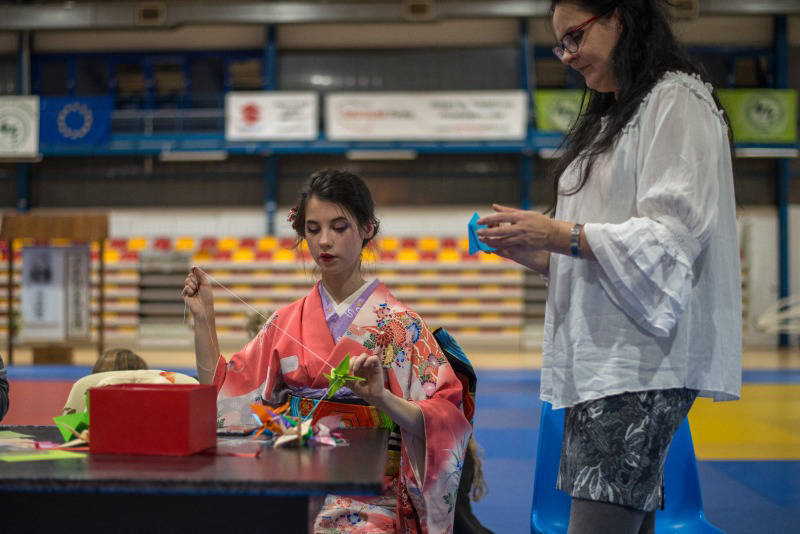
<point>357,515</point>
<point>614,448</point>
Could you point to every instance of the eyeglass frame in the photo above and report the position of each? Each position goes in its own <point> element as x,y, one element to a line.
<point>560,49</point>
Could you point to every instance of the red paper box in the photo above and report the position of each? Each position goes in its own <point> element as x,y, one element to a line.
<point>174,420</point>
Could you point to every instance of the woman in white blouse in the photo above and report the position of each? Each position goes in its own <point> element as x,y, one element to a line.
<point>641,251</point>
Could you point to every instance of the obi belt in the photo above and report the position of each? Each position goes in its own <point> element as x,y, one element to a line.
<point>353,413</point>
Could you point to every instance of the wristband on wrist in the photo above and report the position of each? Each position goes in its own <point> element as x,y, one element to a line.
<point>574,243</point>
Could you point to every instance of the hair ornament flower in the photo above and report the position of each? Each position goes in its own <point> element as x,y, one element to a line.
<point>292,215</point>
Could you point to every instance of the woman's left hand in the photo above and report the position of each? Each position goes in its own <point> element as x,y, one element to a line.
<point>511,227</point>
<point>369,367</point>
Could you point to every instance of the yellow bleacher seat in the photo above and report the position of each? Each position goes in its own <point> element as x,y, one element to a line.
<point>284,255</point>
<point>269,243</point>
<point>111,255</point>
<point>202,256</point>
<point>368,255</point>
<point>463,244</point>
<point>388,244</point>
<point>489,258</point>
<point>228,243</point>
<point>63,242</point>
<point>408,255</point>
<point>137,243</point>
<point>449,255</point>
<point>244,255</point>
<point>428,243</point>
<point>184,244</point>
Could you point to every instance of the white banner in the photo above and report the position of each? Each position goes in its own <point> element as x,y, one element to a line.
<point>19,126</point>
<point>43,309</point>
<point>78,292</point>
<point>271,116</point>
<point>463,115</point>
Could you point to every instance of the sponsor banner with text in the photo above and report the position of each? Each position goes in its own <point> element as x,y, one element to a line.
<point>439,116</point>
<point>271,116</point>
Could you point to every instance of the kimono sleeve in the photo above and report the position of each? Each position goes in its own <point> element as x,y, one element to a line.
<point>437,391</point>
<point>249,376</point>
<point>647,261</point>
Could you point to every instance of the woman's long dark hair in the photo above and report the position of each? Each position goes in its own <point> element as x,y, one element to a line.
<point>645,51</point>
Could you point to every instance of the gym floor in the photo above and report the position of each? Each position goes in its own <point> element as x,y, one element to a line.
<point>748,451</point>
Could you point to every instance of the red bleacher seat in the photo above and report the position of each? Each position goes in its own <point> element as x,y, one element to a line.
<point>263,255</point>
<point>408,242</point>
<point>247,242</point>
<point>223,255</point>
<point>449,242</point>
<point>428,255</point>
<point>208,243</point>
<point>118,243</point>
<point>130,255</point>
<point>162,243</point>
<point>287,242</point>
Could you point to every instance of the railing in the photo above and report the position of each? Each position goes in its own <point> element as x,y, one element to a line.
<point>162,121</point>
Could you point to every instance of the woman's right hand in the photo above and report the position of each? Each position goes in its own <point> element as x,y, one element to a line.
<point>197,293</point>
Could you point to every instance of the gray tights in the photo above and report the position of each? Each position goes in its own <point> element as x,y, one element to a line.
<point>594,517</point>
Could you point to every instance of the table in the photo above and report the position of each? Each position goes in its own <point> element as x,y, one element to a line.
<point>198,493</point>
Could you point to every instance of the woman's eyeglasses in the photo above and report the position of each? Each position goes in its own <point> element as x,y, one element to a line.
<point>572,39</point>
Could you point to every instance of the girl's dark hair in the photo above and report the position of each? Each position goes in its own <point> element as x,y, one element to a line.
<point>119,360</point>
<point>343,188</point>
<point>646,50</point>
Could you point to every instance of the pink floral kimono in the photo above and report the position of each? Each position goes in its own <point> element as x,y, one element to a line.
<point>283,356</point>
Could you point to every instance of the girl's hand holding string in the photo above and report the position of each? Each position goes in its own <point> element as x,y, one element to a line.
<point>197,294</point>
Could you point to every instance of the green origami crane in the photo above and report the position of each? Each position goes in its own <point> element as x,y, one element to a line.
<point>339,375</point>
<point>73,421</point>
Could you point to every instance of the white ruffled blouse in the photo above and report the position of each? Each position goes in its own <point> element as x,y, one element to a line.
<point>661,308</point>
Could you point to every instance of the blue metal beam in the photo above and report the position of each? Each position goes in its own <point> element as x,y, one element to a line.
<point>23,88</point>
<point>781,44</point>
<point>271,192</point>
<point>270,60</point>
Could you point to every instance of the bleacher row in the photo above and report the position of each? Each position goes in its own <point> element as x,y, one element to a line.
<point>247,249</point>
<point>476,296</point>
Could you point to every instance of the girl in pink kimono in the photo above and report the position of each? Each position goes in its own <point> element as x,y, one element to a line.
<point>409,386</point>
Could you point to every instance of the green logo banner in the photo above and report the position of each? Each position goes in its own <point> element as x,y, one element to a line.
<point>761,115</point>
<point>556,109</point>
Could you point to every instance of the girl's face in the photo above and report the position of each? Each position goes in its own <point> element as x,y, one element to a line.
<point>596,42</point>
<point>334,237</point>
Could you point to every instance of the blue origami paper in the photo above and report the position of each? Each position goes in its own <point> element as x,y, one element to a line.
<point>476,244</point>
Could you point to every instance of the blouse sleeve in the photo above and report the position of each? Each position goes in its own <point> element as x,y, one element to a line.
<point>647,261</point>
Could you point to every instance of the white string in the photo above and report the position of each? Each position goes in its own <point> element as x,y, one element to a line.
<point>271,323</point>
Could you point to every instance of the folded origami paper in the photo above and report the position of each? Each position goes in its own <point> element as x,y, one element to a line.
<point>339,375</point>
<point>476,244</point>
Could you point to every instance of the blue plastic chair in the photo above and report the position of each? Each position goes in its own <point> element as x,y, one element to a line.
<point>683,511</point>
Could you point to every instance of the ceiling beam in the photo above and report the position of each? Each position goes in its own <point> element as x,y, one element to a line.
<point>127,15</point>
